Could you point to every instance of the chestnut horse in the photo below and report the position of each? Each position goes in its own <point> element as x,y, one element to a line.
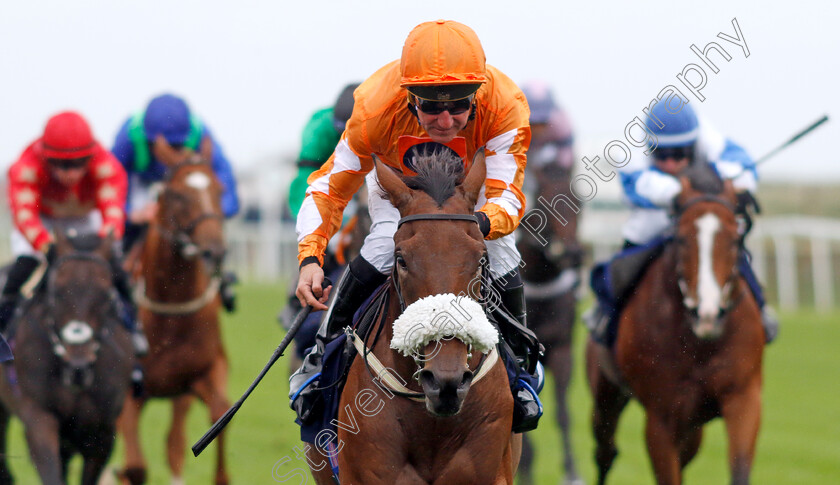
<point>177,296</point>
<point>73,364</point>
<point>451,422</point>
<point>552,255</point>
<point>689,345</point>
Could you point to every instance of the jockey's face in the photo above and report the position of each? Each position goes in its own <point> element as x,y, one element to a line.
<point>672,160</point>
<point>538,130</point>
<point>444,125</point>
<point>68,172</point>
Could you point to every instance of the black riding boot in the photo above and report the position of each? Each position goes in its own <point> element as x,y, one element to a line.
<point>20,271</point>
<point>525,347</point>
<point>357,283</point>
<point>227,292</point>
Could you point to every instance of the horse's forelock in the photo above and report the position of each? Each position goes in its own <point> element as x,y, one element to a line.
<point>438,173</point>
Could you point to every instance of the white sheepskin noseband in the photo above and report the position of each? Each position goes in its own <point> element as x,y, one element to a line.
<point>434,317</point>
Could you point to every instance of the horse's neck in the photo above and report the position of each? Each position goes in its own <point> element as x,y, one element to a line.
<point>167,275</point>
<point>550,186</point>
<point>663,271</point>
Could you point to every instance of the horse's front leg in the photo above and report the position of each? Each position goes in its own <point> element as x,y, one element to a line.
<point>176,441</point>
<point>5,474</point>
<point>663,450</point>
<point>43,440</point>
<point>609,402</point>
<point>97,452</point>
<point>559,361</point>
<point>212,389</point>
<point>134,469</point>
<point>742,414</point>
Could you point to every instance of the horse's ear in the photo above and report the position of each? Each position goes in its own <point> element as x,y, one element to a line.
<point>206,149</point>
<point>398,192</point>
<point>108,239</point>
<point>729,190</point>
<point>476,177</point>
<point>164,152</point>
<point>61,239</point>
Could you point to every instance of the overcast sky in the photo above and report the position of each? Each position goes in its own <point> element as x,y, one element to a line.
<point>255,70</point>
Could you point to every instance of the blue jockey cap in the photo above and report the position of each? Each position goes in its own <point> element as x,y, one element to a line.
<point>540,100</point>
<point>678,129</point>
<point>167,115</point>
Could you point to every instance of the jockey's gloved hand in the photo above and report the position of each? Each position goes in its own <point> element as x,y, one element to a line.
<point>49,253</point>
<point>745,202</point>
<point>483,223</point>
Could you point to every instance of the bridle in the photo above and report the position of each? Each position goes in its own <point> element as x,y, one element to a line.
<point>76,332</point>
<point>181,237</point>
<point>689,302</point>
<point>380,373</point>
<point>430,217</point>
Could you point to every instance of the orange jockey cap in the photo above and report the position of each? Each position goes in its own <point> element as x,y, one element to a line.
<point>67,136</point>
<point>442,61</point>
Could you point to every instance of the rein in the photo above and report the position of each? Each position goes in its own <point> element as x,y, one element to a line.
<point>177,308</point>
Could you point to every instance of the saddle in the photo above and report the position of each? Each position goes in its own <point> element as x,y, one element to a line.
<point>613,282</point>
<point>338,357</point>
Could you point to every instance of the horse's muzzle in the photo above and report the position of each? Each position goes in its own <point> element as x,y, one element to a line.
<point>708,326</point>
<point>445,391</point>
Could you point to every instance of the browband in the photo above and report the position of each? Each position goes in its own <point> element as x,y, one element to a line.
<point>437,217</point>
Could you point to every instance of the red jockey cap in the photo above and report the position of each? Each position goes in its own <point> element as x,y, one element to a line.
<point>66,136</point>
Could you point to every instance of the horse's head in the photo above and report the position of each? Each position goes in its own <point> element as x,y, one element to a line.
<point>708,242</point>
<point>81,303</point>
<point>547,238</point>
<point>439,260</point>
<point>190,212</point>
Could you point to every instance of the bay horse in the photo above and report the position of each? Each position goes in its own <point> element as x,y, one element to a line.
<point>178,300</point>
<point>73,364</point>
<point>552,256</point>
<point>449,413</point>
<point>689,345</point>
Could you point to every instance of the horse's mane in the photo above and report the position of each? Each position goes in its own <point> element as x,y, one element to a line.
<point>86,242</point>
<point>439,171</point>
<point>704,178</point>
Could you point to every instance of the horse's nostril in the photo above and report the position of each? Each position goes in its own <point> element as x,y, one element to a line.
<point>428,381</point>
<point>466,380</point>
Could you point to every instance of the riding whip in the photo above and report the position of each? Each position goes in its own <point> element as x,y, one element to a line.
<point>220,424</point>
<point>793,139</point>
<point>781,147</point>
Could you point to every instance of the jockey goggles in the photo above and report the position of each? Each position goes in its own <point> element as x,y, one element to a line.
<point>676,153</point>
<point>69,163</point>
<point>456,107</point>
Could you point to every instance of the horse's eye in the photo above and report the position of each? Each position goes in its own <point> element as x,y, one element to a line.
<point>401,262</point>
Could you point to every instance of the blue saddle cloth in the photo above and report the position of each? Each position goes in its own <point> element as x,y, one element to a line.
<point>331,382</point>
<point>5,350</point>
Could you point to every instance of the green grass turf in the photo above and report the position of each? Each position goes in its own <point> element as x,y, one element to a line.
<point>799,440</point>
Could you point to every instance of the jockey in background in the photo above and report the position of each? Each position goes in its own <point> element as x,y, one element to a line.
<point>426,97</point>
<point>65,180</point>
<point>682,139</point>
<point>320,136</point>
<point>552,139</point>
<point>167,116</point>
